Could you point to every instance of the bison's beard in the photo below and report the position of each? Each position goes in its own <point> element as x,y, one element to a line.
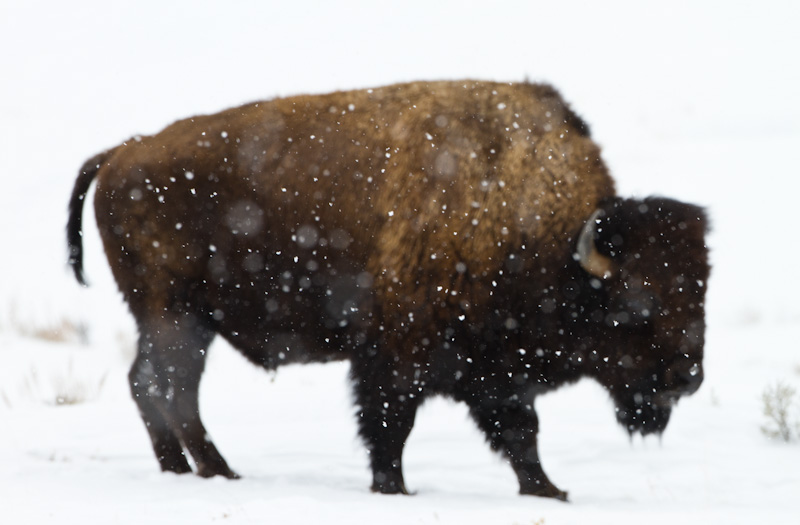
<point>647,418</point>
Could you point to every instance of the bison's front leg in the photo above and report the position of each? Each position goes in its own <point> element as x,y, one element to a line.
<point>387,404</point>
<point>512,431</point>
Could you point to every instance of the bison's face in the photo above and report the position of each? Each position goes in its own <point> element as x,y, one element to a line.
<point>649,263</point>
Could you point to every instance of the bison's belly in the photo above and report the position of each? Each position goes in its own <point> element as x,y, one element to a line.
<point>292,314</point>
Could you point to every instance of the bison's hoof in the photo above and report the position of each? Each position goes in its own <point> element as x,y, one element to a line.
<point>207,471</point>
<point>547,491</point>
<point>382,489</point>
<point>177,468</point>
<point>389,484</point>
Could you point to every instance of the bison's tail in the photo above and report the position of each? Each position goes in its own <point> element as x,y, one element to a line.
<point>74,229</point>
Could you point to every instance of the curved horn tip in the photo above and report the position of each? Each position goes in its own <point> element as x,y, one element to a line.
<point>587,254</point>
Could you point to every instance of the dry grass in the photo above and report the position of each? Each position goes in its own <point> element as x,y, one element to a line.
<point>54,381</point>
<point>62,388</point>
<point>59,331</point>
<point>781,410</point>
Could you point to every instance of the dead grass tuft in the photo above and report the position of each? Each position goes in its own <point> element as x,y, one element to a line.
<point>781,410</point>
<point>59,331</point>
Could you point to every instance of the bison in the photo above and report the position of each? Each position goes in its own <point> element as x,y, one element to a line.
<point>448,238</point>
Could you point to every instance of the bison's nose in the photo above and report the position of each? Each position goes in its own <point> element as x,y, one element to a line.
<point>690,378</point>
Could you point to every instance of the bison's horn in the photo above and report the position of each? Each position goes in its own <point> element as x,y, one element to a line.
<point>591,260</point>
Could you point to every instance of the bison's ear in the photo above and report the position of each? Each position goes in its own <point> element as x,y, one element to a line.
<point>590,259</point>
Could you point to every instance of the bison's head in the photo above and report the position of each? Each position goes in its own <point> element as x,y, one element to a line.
<point>648,263</point>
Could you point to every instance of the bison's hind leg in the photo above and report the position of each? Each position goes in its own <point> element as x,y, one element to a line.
<point>164,381</point>
<point>166,446</point>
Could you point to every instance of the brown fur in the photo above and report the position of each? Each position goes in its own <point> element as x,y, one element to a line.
<point>424,230</point>
<point>530,173</point>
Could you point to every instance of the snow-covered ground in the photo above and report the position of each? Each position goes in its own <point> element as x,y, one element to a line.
<point>694,100</point>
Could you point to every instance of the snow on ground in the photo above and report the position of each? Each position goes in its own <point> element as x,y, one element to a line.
<point>692,101</point>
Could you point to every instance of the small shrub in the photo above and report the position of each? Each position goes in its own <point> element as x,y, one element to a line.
<point>62,389</point>
<point>5,398</point>
<point>71,391</point>
<point>780,409</point>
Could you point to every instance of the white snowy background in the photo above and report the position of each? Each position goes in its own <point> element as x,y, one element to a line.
<point>695,100</point>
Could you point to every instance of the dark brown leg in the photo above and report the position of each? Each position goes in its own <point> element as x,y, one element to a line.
<point>388,405</point>
<point>165,381</point>
<point>512,431</point>
<point>166,446</point>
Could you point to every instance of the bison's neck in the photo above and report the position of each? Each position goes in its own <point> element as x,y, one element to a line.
<point>566,332</point>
